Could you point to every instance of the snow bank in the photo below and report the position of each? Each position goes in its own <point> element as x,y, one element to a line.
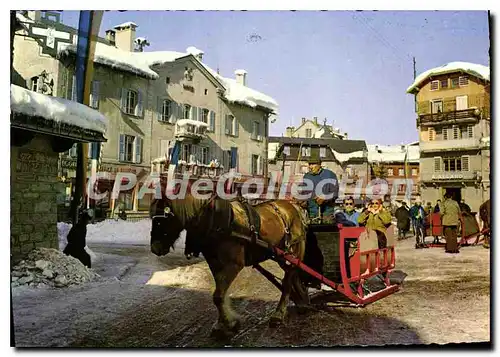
<point>50,268</point>
<point>477,70</point>
<point>57,109</point>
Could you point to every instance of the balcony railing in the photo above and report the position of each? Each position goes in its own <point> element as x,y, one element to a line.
<point>190,129</point>
<point>439,145</point>
<point>449,176</point>
<point>448,116</point>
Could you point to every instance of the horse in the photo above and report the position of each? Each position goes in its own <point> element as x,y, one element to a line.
<point>225,232</point>
<point>485,215</point>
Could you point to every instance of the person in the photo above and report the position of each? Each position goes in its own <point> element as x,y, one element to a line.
<point>417,215</point>
<point>450,216</point>
<point>376,218</point>
<point>464,207</point>
<point>349,212</point>
<point>437,206</point>
<point>428,208</point>
<point>403,220</point>
<point>321,205</point>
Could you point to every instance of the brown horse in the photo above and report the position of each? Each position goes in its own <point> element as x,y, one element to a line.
<point>221,230</point>
<point>485,215</point>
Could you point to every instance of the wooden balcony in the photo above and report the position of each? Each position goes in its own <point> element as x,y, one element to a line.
<point>449,145</point>
<point>449,117</point>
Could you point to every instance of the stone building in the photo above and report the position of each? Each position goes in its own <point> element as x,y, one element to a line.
<point>453,120</point>
<point>312,128</point>
<point>152,99</point>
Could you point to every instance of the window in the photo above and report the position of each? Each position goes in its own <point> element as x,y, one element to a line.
<point>463,81</point>
<point>204,115</point>
<point>445,133</point>
<point>306,151</point>
<point>187,112</point>
<point>167,80</point>
<point>414,172</point>
<point>444,83</point>
<point>390,172</point>
<point>205,157</point>
<point>166,110</point>
<point>439,133</point>
<point>206,91</point>
<point>131,102</point>
<point>456,132</point>
<point>186,152</point>
<point>94,95</point>
<point>432,134</point>
<point>34,84</point>
<point>470,131</point>
<point>401,172</point>
<point>437,164</point>
<point>454,82</point>
<point>308,133</point>
<point>232,126</point>
<point>437,106</point>
<point>465,163</point>
<point>434,85</point>
<point>130,148</point>
<point>73,151</point>
<point>452,164</point>
<point>322,152</point>
<point>286,150</point>
<point>257,164</point>
<point>256,130</point>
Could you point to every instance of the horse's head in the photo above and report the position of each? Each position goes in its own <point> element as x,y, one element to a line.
<point>165,228</point>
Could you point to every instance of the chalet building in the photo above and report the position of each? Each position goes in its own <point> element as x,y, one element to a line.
<point>396,164</point>
<point>453,120</point>
<point>288,158</point>
<point>151,99</point>
<point>311,128</point>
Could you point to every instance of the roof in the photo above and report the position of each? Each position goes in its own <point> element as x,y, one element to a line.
<point>140,63</point>
<point>338,145</point>
<point>477,70</point>
<point>56,109</point>
<point>393,153</point>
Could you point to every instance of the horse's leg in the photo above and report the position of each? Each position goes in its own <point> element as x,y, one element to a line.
<point>279,314</point>
<point>228,321</point>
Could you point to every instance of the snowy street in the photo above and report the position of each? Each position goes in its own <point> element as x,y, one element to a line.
<point>150,301</point>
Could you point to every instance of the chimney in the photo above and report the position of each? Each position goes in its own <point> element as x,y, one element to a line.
<point>289,131</point>
<point>241,76</point>
<point>303,120</point>
<point>345,136</point>
<point>34,15</point>
<point>316,120</point>
<point>110,36</point>
<point>125,36</point>
<point>195,52</point>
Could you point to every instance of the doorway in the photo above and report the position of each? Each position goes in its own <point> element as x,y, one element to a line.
<point>456,193</point>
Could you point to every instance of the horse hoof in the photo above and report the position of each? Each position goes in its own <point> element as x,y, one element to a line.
<point>276,320</point>
<point>236,326</point>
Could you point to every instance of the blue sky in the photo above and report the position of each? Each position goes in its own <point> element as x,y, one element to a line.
<point>352,68</point>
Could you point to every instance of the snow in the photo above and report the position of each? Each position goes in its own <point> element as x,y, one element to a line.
<point>341,157</point>
<point>183,122</point>
<point>477,70</point>
<point>393,153</point>
<point>57,109</point>
<point>240,72</point>
<point>126,24</point>
<point>194,51</point>
<point>23,18</point>
<point>141,62</point>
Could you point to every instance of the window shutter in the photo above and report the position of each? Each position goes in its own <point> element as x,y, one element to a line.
<point>74,96</point>
<point>175,108</point>
<point>212,121</point>
<point>261,165</point>
<point>437,164</point>
<point>89,150</point>
<point>236,127</point>
<point>322,152</point>
<point>163,148</point>
<point>465,163</point>
<point>445,133</point>
<point>121,149</point>
<point>159,108</point>
<point>123,102</point>
<point>94,95</point>
<point>470,131</point>
<point>139,107</point>
<point>227,126</point>
<point>138,149</point>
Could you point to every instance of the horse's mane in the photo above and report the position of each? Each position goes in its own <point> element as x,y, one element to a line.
<point>186,208</point>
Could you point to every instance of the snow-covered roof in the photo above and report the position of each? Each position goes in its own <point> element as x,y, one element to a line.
<point>477,70</point>
<point>126,24</point>
<point>183,122</point>
<point>393,153</point>
<point>341,157</point>
<point>240,72</point>
<point>194,51</point>
<point>141,62</point>
<point>57,109</point>
<point>20,17</point>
